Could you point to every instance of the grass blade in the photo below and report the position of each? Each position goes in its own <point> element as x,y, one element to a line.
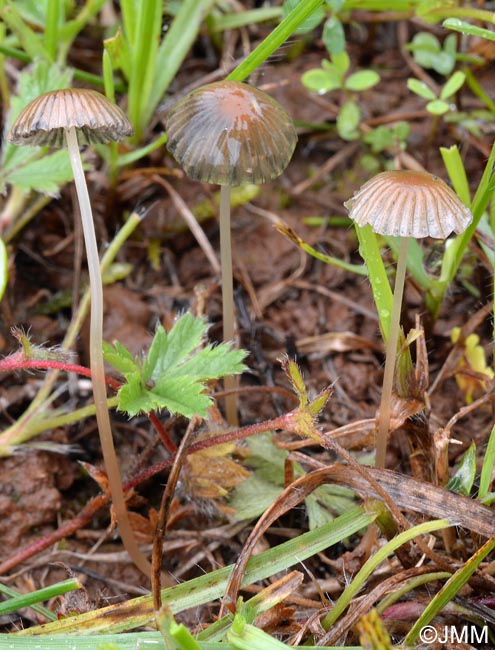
<point>374,561</point>
<point>139,611</point>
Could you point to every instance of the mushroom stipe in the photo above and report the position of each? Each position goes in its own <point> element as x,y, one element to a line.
<point>230,133</point>
<point>79,116</point>
<point>404,204</point>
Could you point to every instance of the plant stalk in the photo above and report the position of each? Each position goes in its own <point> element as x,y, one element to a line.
<point>227,297</point>
<point>96,358</point>
<point>385,412</point>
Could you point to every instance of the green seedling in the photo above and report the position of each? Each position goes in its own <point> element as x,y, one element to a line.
<point>388,138</point>
<point>441,103</point>
<point>429,53</point>
<point>334,75</point>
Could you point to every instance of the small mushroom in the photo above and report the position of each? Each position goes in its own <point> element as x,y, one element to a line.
<point>230,133</point>
<point>78,117</point>
<point>404,204</point>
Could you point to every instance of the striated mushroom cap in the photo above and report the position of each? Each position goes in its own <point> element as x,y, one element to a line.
<point>44,120</point>
<point>409,204</point>
<point>229,133</point>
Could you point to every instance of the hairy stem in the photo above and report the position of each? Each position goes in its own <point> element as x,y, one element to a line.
<point>227,297</point>
<point>96,358</point>
<point>391,355</point>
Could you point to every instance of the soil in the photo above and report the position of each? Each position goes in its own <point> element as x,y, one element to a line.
<point>287,303</point>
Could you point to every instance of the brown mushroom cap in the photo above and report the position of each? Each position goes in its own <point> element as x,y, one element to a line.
<point>229,133</point>
<point>44,120</point>
<point>409,204</point>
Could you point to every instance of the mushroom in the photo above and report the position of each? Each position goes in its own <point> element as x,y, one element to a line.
<point>78,117</point>
<point>404,204</point>
<point>229,133</point>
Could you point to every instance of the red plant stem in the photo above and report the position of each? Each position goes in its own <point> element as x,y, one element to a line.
<point>18,362</point>
<point>162,433</point>
<point>95,504</point>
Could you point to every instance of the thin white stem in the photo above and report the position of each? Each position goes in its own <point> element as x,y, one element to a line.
<point>227,296</point>
<point>96,358</point>
<point>385,413</point>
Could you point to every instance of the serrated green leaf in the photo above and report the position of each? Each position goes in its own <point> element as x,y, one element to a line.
<point>120,358</point>
<point>173,373</point>
<point>421,89</point>
<point>180,395</point>
<point>362,80</point>
<point>212,362</point>
<point>134,399</point>
<point>253,496</point>
<point>45,174</point>
<point>172,348</point>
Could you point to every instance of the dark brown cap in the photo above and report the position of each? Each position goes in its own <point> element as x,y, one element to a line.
<point>44,120</point>
<point>229,133</point>
<point>409,204</point>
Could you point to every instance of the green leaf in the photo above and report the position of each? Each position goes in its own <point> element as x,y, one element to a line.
<point>120,358</point>
<point>173,373</point>
<point>326,502</point>
<point>437,107</point>
<point>172,348</point>
<point>421,89</point>
<point>342,62</point>
<point>362,80</point>
<point>380,138</point>
<point>334,36</point>
<point>23,166</point>
<point>321,81</point>
<point>45,175</point>
<point>453,85</point>
<point>463,479</point>
<point>348,121</point>
<point>425,48</point>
